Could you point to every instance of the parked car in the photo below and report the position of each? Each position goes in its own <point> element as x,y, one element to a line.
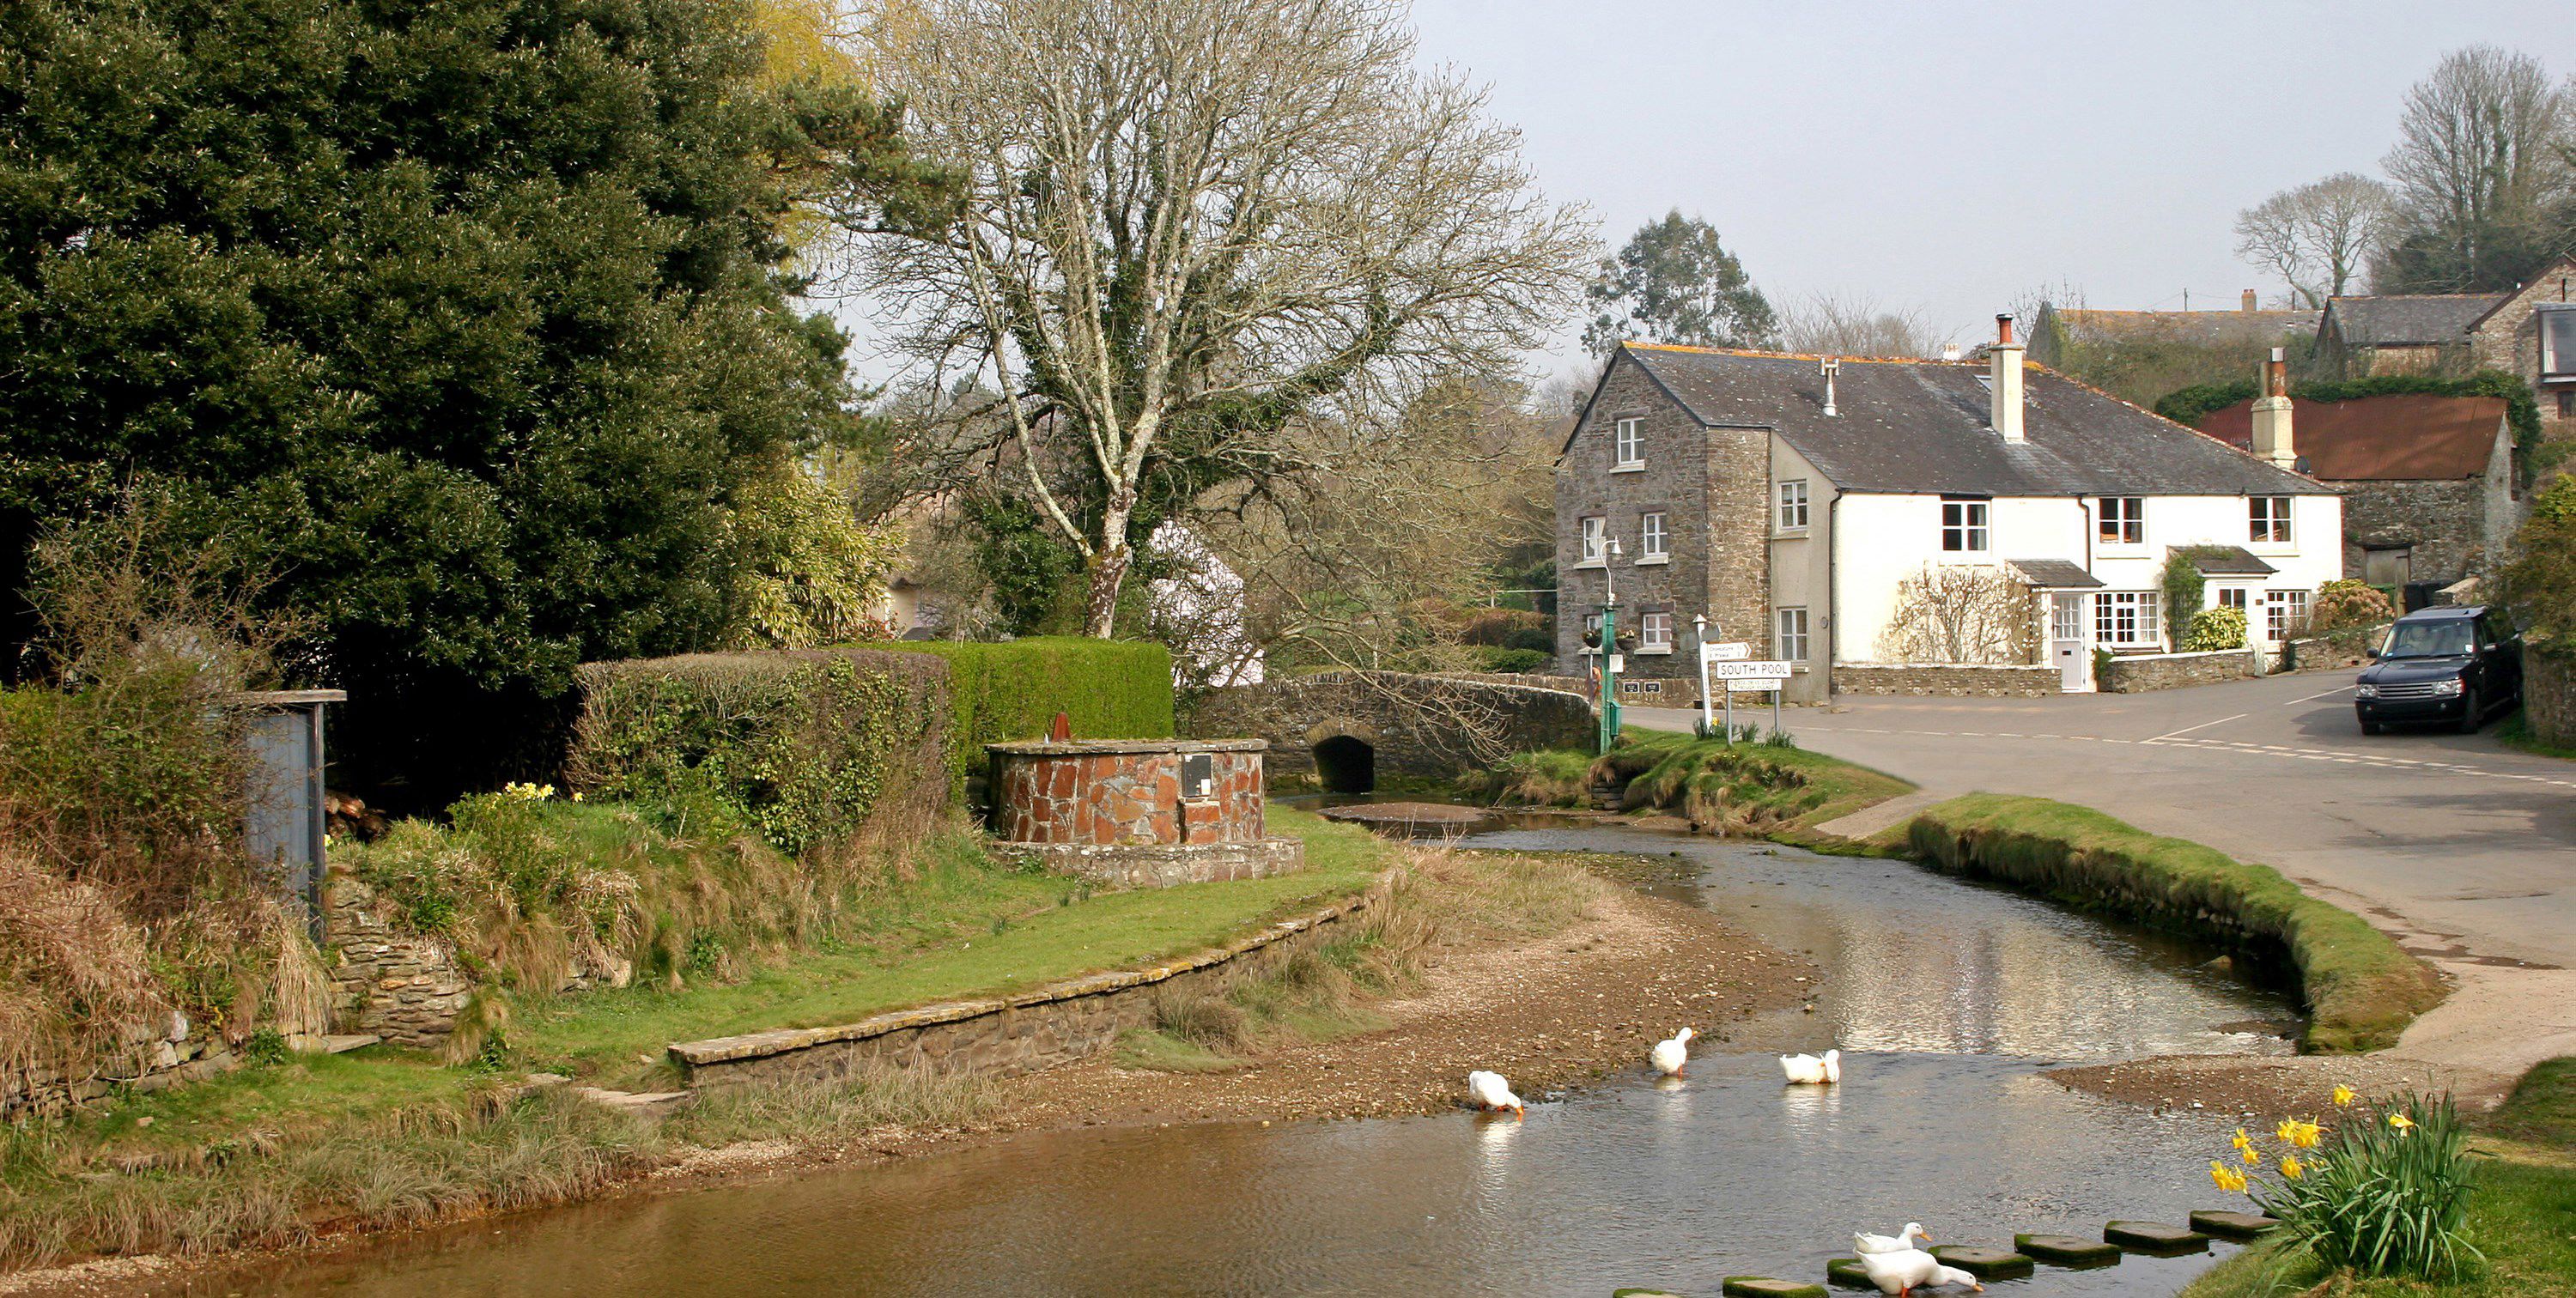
<point>2456,666</point>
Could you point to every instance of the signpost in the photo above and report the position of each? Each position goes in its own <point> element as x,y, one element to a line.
<point>1742,675</point>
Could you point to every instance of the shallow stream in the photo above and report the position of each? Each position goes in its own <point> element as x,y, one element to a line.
<point>1946,998</point>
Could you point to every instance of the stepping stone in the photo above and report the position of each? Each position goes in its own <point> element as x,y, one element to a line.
<point>2155,1237</point>
<point>1642,1293</point>
<point>2232,1225</point>
<point>1763,1286</point>
<point>2067,1250</point>
<point>1983,1263</point>
<point>1846,1271</point>
<point>341,1045</point>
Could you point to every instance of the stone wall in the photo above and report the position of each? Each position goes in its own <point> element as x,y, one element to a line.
<point>1104,792</point>
<point>2142,672</point>
<point>1418,727</point>
<point>1535,680</point>
<point>2337,650</point>
<point>2445,524</point>
<point>1164,865</point>
<point>996,1037</point>
<point>168,1054</point>
<point>1990,680</point>
<point>2509,340</point>
<point>402,987</point>
<point>2549,697</point>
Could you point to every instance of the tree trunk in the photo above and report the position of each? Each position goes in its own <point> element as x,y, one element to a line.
<point>1100,603</point>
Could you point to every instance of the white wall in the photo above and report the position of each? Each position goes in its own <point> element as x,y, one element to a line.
<point>1881,540</point>
<point>1802,571</point>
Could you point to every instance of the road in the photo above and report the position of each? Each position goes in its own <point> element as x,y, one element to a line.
<point>2463,848</point>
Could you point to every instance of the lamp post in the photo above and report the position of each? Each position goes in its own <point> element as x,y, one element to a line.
<point>1699,637</point>
<point>1609,647</point>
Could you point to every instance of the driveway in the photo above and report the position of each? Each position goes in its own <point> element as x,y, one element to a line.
<point>2465,849</point>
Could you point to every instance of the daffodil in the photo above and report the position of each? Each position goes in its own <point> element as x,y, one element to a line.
<point>2226,1178</point>
<point>2290,1167</point>
<point>2303,1134</point>
<point>2401,1122</point>
<point>2250,1156</point>
<point>2343,1096</point>
<point>2242,1141</point>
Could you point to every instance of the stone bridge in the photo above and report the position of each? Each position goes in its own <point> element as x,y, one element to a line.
<point>1351,731</point>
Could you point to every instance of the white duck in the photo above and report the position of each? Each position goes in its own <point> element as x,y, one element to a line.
<point>1913,1236</point>
<point>1906,1270</point>
<point>1491,1092</point>
<point>1671,1055</point>
<point>1809,1070</point>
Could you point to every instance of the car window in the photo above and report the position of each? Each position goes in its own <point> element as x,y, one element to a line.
<point>2444,639</point>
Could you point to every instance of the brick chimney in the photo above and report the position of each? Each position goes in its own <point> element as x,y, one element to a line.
<point>2272,415</point>
<point>2004,395</point>
<point>2249,300</point>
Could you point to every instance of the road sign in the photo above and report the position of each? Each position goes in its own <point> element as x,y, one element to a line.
<point>1726,671</point>
<point>1753,684</point>
<point>1728,651</point>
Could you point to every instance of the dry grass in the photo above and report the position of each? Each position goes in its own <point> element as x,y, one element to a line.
<point>831,1110</point>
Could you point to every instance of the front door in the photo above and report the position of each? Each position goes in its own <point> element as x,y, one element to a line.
<point>2066,641</point>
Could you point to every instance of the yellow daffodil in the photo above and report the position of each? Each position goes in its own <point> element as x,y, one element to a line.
<point>2401,1122</point>
<point>2343,1096</point>
<point>2250,1156</point>
<point>2226,1178</point>
<point>2290,1167</point>
<point>2300,1133</point>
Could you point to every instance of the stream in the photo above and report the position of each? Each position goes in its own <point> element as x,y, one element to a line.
<point>1947,999</point>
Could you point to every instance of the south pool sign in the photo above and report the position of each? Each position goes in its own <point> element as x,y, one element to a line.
<point>1748,669</point>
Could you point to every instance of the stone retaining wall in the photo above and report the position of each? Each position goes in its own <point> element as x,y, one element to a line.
<point>2549,697</point>
<point>2136,675</point>
<point>996,1037</point>
<point>2339,650</point>
<point>404,988</point>
<point>1164,865</point>
<point>177,1053</point>
<point>1990,680</point>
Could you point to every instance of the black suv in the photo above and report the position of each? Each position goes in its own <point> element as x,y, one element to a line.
<point>2457,666</point>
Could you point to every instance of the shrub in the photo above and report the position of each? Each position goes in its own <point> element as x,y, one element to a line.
<point>802,746</point>
<point>2216,628</point>
<point>1511,660</point>
<point>1110,689</point>
<point>2349,602</point>
<point>1500,626</point>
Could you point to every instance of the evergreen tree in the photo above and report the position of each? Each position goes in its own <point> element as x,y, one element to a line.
<point>1673,282</point>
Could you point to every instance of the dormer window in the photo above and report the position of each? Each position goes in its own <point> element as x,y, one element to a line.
<point>1628,444</point>
<point>2558,341</point>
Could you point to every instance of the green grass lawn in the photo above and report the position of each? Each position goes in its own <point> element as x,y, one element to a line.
<point>1752,787</point>
<point>2522,1215</point>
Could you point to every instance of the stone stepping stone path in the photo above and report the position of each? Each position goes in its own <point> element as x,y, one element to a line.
<point>2155,1237</point>
<point>2232,1225</point>
<point>1763,1286</point>
<point>1984,1263</point>
<point>1846,1271</point>
<point>2067,1250</point>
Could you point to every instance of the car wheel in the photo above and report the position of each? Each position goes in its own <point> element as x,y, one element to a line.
<point>2470,714</point>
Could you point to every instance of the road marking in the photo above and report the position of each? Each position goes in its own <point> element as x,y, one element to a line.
<point>2202,726</point>
<point>2314,697</point>
<point>2384,761</point>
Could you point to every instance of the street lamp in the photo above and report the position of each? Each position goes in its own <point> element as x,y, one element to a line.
<point>1609,647</point>
<point>1699,637</point>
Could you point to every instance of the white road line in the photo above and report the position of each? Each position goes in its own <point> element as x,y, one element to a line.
<point>2202,726</point>
<point>2314,697</point>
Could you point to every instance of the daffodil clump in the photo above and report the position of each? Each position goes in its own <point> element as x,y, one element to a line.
<point>2384,1191</point>
<point>531,792</point>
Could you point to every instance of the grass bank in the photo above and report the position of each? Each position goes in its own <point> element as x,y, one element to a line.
<point>2361,988</point>
<point>2522,1215</point>
<point>279,1151</point>
<point>1738,788</point>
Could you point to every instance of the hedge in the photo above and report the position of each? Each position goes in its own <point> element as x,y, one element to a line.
<point>803,746</point>
<point>1110,689</point>
<point>2361,988</point>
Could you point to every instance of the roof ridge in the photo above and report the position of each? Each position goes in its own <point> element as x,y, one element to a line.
<point>1690,349</point>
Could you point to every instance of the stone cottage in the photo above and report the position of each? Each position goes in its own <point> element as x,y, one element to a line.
<point>2431,485</point>
<point>1805,504</point>
<point>2530,331</point>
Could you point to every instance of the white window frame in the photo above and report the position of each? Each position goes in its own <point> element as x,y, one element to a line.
<point>1654,633</point>
<point>1654,537</point>
<point>1596,540</point>
<point>1628,443</point>
<point>1789,635</point>
<point>2283,613</point>
<point>2553,365</point>
<point>2124,526</point>
<point>1789,506</point>
<point>2267,520</point>
<point>2240,598</point>
<point>1975,527</point>
<point>2142,612</point>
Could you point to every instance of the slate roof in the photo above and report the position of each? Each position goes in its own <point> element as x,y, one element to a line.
<point>1920,426</point>
<point>2199,328</point>
<point>2409,320</point>
<point>2227,561</point>
<point>2055,574</point>
<point>2413,436</point>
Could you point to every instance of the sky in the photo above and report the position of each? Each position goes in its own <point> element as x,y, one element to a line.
<point>1949,158</point>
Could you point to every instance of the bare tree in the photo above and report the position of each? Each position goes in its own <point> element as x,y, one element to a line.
<point>1961,613</point>
<point>1187,226</point>
<point>2482,165</point>
<point>1852,325</point>
<point>2318,236</point>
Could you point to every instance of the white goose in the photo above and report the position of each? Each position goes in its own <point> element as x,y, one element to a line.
<point>1670,1056</point>
<point>1491,1092</point>
<point>1913,1236</point>
<point>1906,1270</point>
<point>1808,1070</point>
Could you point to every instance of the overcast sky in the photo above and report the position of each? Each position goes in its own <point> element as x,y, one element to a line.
<point>1948,157</point>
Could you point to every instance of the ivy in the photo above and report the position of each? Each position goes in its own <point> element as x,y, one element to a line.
<point>2188,406</point>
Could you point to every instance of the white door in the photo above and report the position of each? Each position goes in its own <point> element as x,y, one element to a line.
<point>2066,641</point>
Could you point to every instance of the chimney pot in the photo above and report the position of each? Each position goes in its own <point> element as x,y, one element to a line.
<point>2003,383</point>
<point>2249,299</point>
<point>2003,328</point>
<point>2272,436</point>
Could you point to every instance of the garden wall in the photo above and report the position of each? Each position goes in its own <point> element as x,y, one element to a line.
<point>2549,697</point>
<point>1056,1024</point>
<point>1990,680</point>
<point>2143,672</point>
<point>2340,650</point>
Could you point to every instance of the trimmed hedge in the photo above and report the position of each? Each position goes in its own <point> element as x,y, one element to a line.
<point>1111,689</point>
<point>803,746</point>
<point>2361,988</point>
